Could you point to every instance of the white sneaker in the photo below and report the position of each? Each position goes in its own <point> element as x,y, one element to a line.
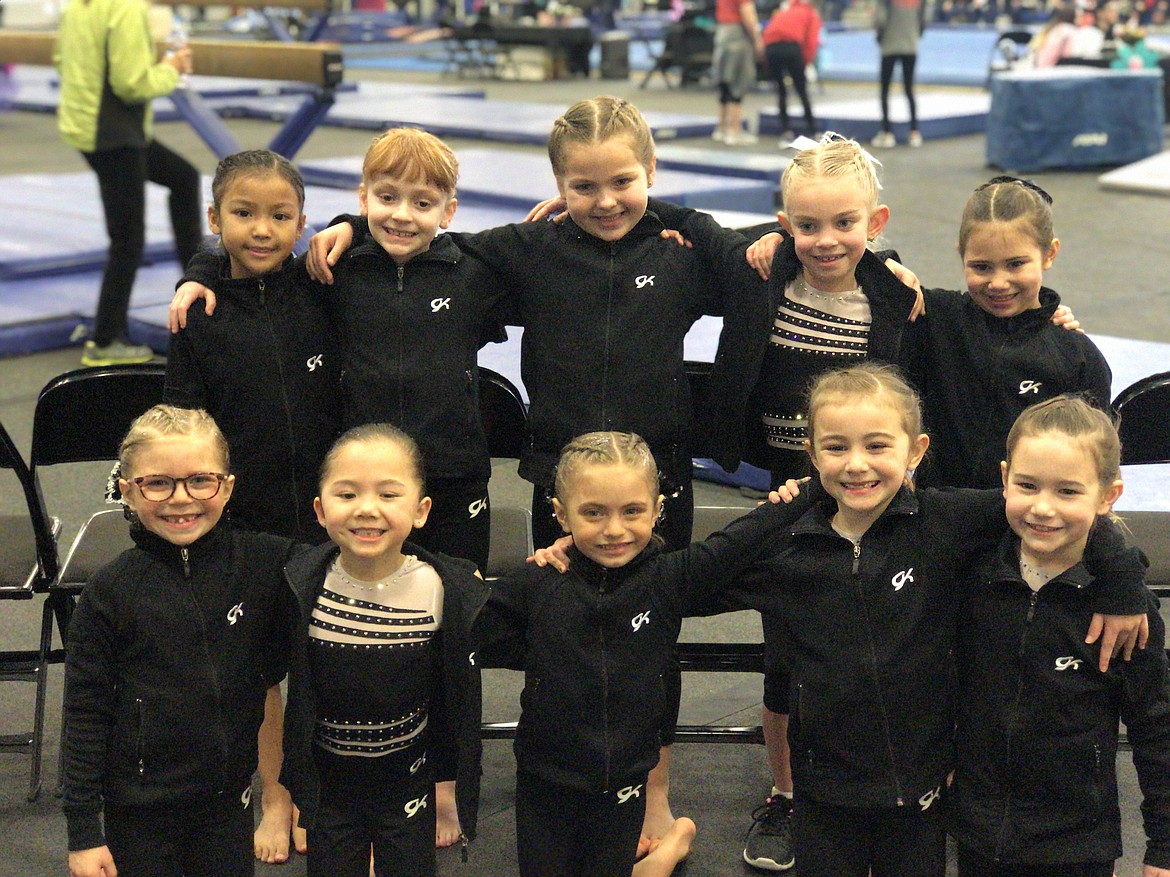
<point>741,138</point>
<point>883,140</point>
<point>719,135</point>
<point>915,139</point>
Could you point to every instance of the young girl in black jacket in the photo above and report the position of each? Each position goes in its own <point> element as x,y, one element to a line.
<point>1035,788</point>
<point>171,650</point>
<point>596,646</point>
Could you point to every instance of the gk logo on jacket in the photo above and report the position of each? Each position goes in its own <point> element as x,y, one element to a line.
<point>313,361</point>
<point>1068,663</point>
<point>235,613</point>
<point>412,807</point>
<point>644,280</point>
<point>628,792</point>
<point>638,620</point>
<point>440,304</point>
<point>1030,387</point>
<point>900,580</point>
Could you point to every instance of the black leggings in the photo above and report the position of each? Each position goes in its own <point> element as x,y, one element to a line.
<point>786,58</point>
<point>972,864</point>
<point>907,62</point>
<point>122,176</point>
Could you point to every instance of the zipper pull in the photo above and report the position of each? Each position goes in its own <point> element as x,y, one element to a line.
<point>186,562</point>
<point>463,847</point>
<point>401,271</point>
<point>856,557</point>
<point>260,284</point>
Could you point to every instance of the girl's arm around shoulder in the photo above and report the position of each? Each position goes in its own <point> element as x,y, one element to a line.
<point>1118,568</point>
<point>967,522</point>
<point>501,630</point>
<point>702,572</point>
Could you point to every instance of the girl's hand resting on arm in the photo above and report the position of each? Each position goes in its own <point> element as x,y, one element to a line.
<point>185,296</point>
<point>325,248</point>
<point>1119,635</point>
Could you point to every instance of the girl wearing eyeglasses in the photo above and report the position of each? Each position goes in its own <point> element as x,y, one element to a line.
<point>984,355</point>
<point>172,650</point>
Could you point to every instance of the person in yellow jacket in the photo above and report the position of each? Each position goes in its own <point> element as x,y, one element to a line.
<point>110,72</point>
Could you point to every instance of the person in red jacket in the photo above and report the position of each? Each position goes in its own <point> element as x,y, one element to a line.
<point>791,39</point>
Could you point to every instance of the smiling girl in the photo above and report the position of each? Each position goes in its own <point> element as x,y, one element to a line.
<point>988,354</point>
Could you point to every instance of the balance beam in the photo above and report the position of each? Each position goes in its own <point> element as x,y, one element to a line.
<point>322,8</point>
<point>318,64</point>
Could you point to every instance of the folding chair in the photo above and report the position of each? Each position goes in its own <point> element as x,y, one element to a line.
<point>28,562</point>
<point>82,416</point>
<point>1144,427</point>
<point>505,420</point>
<point>688,48</point>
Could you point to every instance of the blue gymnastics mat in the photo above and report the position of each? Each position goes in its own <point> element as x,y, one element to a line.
<point>488,176</point>
<point>32,203</point>
<point>940,114</point>
<point>35,89</point>
<point>453,116</point>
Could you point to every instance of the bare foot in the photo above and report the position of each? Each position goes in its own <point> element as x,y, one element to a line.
<point>270,841</point>
<point>659,819</point>
<point>668,851</point>
<point>299,835</point>
<point>447,828</point>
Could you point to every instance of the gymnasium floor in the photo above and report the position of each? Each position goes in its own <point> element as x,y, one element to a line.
<point>1111,271</point>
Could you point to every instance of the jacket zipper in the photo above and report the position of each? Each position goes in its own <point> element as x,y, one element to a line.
<point>608,333</point>
<point>401,272</point>
<point>284,402</point>
<point>138,742</point>
<point>1033,599</point>
<point>605,697</point>
<point>203,639</point>
<point>900,798</point>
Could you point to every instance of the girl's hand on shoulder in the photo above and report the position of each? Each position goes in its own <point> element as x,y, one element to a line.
<point>786,492</point>
<point>670,234</point>
<point>551,208</point>
<point>760,253</point>
<point>909,278</point>
<point>325,248</point>
<point>185,296</point>
<point>1119,635</point>
<point>1155,871</point>
<point>1063,316</point>
<point>556,555</point>
<point>96,862</point>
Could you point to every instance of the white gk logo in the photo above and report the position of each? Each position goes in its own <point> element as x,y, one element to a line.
<point>246,798</point>
<point>412,807</point>
<point>418,762</point>
<point>313,361</point>
<point>644,280</point>
<point>1030,387</point>
<point>235,613</point>
<point>478,506</point>
<point>628,792</point>
<point>1069,663</point>
<point>471,659</point>
<point>638,620</point>
<point>929,798</point>
<point>440,304</point>
<point>899,581</point>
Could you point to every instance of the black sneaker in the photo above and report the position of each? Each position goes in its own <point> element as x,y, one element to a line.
<point>768,845</point>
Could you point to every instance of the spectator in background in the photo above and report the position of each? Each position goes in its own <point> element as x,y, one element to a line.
<point>899,27</point>
<point>738,44</point>
<point>110,72</point>
<point>791,39</point>
<point>1056,39</point>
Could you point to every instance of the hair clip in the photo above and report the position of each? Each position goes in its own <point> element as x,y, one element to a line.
<point>113,494</point>
<point>1007,178</point>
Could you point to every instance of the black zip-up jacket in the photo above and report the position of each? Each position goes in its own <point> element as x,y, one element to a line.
<point>410,334</point>
<point>1036,781</point>
<point>731,429</point>
<point>870,636</point>
<point>453,737</point>
<point>267,367</point>
<point>604,324</point>
<point>976,373</point>
<point>594,644</point>
<point>171,652</point>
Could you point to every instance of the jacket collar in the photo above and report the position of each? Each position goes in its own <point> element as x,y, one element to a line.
<point>442,249</point>
<point>1004,566</point>
<point>818,519</point>
<point>648,226</point>
<point>595,573</point>
<point>1025,320</point>
<point>170,553</point>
